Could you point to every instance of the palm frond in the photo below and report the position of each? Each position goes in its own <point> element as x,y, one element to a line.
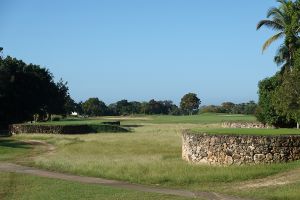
<point>283,2</point>
<point>270,24</point>
<point>275,12</point>
<point>271,40</point>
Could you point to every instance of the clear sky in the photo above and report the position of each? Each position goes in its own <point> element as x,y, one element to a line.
<point>143,49</point>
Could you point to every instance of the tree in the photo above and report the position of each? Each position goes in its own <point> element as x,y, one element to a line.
<point>266,110</point>
<point>27,90</point>
<point>94,107</point>
<point>123,107</point>
<point>189,103</point>
<point>287,96</point>
<point>227,107</point>
<point>250,108</point>
<point>284,20</point>
<point>70,105</point>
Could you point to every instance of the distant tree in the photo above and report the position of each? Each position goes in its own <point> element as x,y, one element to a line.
<point>135,107</point>
<point>154,107</point>
<point>174,110</point>
<point>250,108</point>
<point>189,103</point>
<point>227,107</point>
<point>210,109</point>
<point>94,107</point>
<point>144,107</point>
<point>112,109</point>
<point>123,107</point>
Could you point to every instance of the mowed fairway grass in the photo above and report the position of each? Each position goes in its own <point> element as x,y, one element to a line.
<point>151,154</point>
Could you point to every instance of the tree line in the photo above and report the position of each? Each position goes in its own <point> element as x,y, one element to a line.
<point>248,108</point>
<point>28,92</point>
<point>94,107</point>
<point>279,95</point>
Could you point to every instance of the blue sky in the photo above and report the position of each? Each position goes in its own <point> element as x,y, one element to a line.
<point>143,49</point>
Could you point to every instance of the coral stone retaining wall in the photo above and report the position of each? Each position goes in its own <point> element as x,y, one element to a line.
<point>245,125</point>
<point>239,149</point>
<point>65,129</point>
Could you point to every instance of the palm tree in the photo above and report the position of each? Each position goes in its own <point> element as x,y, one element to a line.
<point>284,20</point>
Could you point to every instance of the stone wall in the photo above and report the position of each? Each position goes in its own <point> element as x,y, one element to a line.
<point>65,129</point>
<point>245,125</point>
<point>239,149</point>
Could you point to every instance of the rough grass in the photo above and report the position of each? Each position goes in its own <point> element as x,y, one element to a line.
<point>246,131</point>
<point>150,155</point>
<point>25,187</point>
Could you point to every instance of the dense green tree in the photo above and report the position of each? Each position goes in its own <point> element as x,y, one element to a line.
<point>287,96</point>
<point>26,90</point>
<point>266,111</point>
<point>190,103</point>
<point>94,107</point>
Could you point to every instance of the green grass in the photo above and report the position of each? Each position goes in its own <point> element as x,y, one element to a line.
<point>73,121</point>
<point>150,155</point>
<point>246,131</point>
<point>206,118</point>
<point>24,187</point>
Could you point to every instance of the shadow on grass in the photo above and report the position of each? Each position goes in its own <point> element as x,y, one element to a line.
<point>4,133</point>
<point>132,126</point>
<point>14,144</point>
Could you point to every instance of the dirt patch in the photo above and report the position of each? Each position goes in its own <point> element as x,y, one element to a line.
<point>284,178</point>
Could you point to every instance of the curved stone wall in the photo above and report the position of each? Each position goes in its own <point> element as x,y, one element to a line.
<point>239,149</point>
